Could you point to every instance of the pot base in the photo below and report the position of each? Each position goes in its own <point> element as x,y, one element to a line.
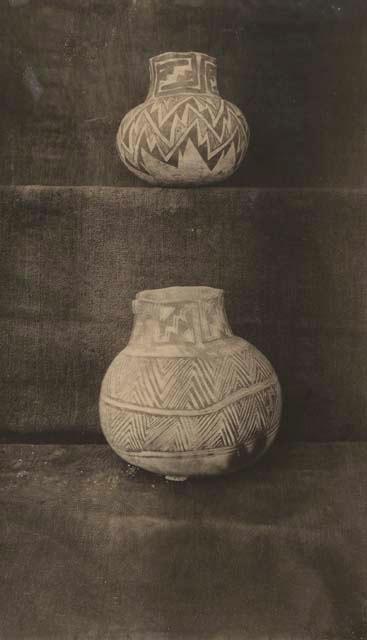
<point>178,466</point>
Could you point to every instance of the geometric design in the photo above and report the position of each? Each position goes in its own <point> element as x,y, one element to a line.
<point>184,131</point>
<point>179,322</point>
<point>162,394</point>
<point>184,384</point>
<point>169,323</point>
<point>252,419</point>
<point>177,73</point>
<point>214,323</point>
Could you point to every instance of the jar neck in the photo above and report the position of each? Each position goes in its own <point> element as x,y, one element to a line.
<point>176,73</point>
<point>179,321</point>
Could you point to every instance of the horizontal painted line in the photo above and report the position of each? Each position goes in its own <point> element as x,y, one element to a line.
<point>234,397</point>
<point>197,453</point>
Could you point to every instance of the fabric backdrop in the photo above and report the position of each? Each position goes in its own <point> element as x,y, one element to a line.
<point>70,69</point>
<point>293,264</point>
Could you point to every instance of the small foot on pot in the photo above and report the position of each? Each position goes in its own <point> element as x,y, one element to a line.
<point>176,478</point>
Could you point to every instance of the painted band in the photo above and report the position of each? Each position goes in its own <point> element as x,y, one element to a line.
<point>194,453</point>
<point>234,397</point>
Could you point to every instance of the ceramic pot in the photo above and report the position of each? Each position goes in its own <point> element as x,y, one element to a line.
<point>187,397</point>
<point>184,133</point>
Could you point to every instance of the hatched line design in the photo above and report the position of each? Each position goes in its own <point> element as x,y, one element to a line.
<point>240,423</point>
<point>241,393</point>
<point>177,323</point>
<point>187,384</point>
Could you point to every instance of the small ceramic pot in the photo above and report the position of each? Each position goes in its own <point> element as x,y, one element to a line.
<point>187,397</point>
<point>184,133</point>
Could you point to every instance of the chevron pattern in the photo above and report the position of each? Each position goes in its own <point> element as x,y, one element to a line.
<point>189,384</point>
<point>248,421</point>
<point>184,383</point>
<point>193,135</point>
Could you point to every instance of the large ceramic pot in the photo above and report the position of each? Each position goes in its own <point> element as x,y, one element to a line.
<point>187,397</point>
<point>184,132</point>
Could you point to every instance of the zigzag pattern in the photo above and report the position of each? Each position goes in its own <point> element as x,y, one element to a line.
<point>176,322</point>
<point>186,322</point>
<point>163,128</point>
<point>253,419</point>
<point>184,383</point>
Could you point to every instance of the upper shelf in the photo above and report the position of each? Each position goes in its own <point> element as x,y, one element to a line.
<point>298,74</point>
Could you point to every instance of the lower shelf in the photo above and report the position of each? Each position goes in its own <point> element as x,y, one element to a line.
<point>94,548</point>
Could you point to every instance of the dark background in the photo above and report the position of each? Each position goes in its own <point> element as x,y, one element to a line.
<point>71,69</point>
<point>91,547</point>
<point>286,237</point>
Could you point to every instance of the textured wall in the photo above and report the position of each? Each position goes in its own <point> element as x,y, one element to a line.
<point>293,264</point>
<point>70,69</point>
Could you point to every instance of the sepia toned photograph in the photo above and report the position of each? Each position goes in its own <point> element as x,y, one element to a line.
<point>183,315</point>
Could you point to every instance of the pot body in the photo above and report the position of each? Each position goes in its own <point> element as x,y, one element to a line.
<point>186,397</point>
<point>184,133</point>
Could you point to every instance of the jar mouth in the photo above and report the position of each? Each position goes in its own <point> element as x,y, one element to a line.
<point>183,54</point>
<point>179,294</point>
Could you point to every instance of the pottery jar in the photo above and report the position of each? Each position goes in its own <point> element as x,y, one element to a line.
<point>185,132</point>
<point>187,397</point>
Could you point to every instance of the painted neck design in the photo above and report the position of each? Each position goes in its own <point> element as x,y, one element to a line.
<point>179,316</point>
<point>176,73</point>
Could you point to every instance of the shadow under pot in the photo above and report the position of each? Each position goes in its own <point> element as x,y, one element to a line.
<point>186,397</point>
<point>184,133</point>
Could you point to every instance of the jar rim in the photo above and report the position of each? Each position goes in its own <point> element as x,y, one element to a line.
<point>179,294</point>
<point>183,54</point>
